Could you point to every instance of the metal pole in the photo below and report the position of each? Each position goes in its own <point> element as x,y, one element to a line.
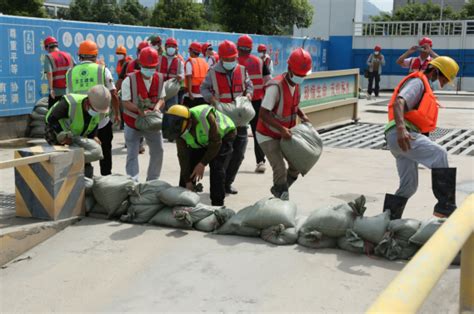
<point>466,292</point>
<point>441,13</point>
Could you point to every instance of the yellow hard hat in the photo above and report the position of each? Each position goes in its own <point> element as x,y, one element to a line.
<point>447,66</point>
<point>175,121</point>
<point>180,111</point>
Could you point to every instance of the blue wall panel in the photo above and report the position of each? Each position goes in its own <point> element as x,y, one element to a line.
<point>340,52</point>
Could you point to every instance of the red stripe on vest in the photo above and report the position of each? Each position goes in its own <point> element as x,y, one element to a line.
<point>62,63</point>
<point>254,67</point>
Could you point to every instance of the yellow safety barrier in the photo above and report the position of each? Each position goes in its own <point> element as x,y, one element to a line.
<point>407,292</point>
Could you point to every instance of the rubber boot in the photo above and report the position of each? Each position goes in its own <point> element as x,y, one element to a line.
<point>443,182</point>
<point>396,205</point>
<point>290,180</point>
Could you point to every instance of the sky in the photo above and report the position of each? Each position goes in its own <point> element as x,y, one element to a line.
<point>384,5</point>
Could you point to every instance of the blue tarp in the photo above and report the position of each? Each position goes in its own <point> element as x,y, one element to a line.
<point>22,81</point>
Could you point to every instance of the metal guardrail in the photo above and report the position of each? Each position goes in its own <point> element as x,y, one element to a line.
<point>411,287</point>
<point>415,28</point>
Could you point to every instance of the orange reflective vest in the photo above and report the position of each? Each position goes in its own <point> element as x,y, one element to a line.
<point>425,116</point>
<point>60,62</point>
<point>200,68</point>
<point>220,84</point>
<point>120,64</point>
<point>285,111</point>
<point>254,67</point>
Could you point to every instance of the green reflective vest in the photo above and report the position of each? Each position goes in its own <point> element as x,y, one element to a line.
<point>84,76</point>
<point>200,113</point>
<point>75,121</point>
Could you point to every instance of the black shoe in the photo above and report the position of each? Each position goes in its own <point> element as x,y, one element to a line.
<point>396,205</point>
<point>280,191</point>
<point>230,190</point>
<point>290,180</point>
<point>443,182</point>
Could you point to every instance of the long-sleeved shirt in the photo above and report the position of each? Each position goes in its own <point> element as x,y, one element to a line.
<point>207,91</point>
<point>375,63</point>
<point>212,149</point>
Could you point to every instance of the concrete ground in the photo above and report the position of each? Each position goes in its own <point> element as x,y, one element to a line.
<point>97,265</point>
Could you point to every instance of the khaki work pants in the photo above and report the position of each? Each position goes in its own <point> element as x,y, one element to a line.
<point>273,152</point>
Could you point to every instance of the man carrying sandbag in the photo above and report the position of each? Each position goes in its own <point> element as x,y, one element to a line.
<point>224,82</point>
<point>278,113</point>
<point>77,115</point>
<point>413,110</point>
<point>203,136</point>
<point>143,86</point>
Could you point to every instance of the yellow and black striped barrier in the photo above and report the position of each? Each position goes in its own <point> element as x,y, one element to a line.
<point>51,189</point>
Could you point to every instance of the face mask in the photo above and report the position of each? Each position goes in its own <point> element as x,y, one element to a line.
<point>170,51</point>
<point>262,54</point>
<point>147,72</point>
<point>297,79</point>
<point>155,47</point>
<point>376,53</point>
<point>229,65</point>
<point>120,57</point>
<point>92,112</point>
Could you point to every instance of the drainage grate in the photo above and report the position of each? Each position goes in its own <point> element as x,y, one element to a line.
<point>370,135</point>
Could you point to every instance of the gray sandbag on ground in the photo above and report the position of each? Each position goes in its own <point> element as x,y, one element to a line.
<point>39,123</point>
<point>280,235</point>
<point>332,221</point>
<point>426,230</point>
<point>90,203</point>
<point>88,184</point>
<point>372,229</point>
<point>403,229</point>
<point>166,217</point>
<point>150,121</point>
<point>271,212</point>
<point>240,111</point>
<point>178,196</point>
<point>395,244</point>
<point>111,191</point>
<point>172,87</point>
<point>353,243</point>
<point>141,213</point>
<point>316,240</point>
<point>304,148</point>
<point>37,131</point>
<point>147,193</point>
<point>92,149</point>
<point>213,222</point>
<point>235,225</point>
<point>36,116</point>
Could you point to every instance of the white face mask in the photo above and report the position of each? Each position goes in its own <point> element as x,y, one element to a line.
<point>92,112</point>
<point>229,65</point>
<point>155,47</point>
<point>376,53</point>
<point>170,51</point>
<point>262,54</point>
<point>147,72</point>
<point>120,57</point>
<point>297,79</point>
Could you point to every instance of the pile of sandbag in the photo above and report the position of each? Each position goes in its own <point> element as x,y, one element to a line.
<point>304,148</point>
<point>37,121</point>
<point>111,194</point>
<point>240,111</point>
<point>92,149</point>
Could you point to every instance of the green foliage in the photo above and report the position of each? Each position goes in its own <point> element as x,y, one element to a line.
<point>418,12</point>
<point>133,13</point>
<point>262,16</point>
<point>467,12</point>
<point>32,8</point>
<point>178,14</point>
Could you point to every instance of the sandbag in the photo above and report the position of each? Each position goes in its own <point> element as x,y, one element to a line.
<point>150,121</point>
<point>403,229</point>
<point>172,87</point>
<point>426,230</point>
<point>88,184</point>
<point>270,212</point>
<point>280,235</point>
<point>219,217</point>
<point>40,123</point>
<point>111,191</point>
<point>304,148</point>
<point>147,193</point>
<point>315,240</point>
<point>166,217</point>
<point>235,225</point>
<point>90,203</point>
<point>372,229</point>
<point>178,196</point>
<point>392,248</point>
<point>92,149</point>
<point>37,131</point>
<point>99,209</point>
<point>141,213</point>
<point>37,116</point>
<point>240,111</point>
<point>43,102</point>
<point>41,110</point>
<point>353,243</point>
<point>332,221</point>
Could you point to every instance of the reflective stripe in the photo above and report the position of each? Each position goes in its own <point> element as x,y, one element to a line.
<point>281,101</point>
<point>100,75</point>
<point>133,85</point>
<point>53,64</point>
<point>224,120</point>
<point>226,95</point>
<point>203,118</point>
<point>161,81</point>
<point>130,114</point>
<point>72,110</point>
<point>255,76</point>
<point>57,77</point>
<point>258,86</point>
<point>69,79</point>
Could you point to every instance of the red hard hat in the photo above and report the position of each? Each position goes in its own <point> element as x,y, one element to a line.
<point>300,62</point>
<point>245,41</point>
<point>142,45</point>
<point>204,47</point>
<point>261,48</point>
<point>50,40</point>
<point>148,57</point>
<point>426,40</point>
<point>196,47</point>
<point>227,49</point>
<point>171,42</point>
<point>377,48</point>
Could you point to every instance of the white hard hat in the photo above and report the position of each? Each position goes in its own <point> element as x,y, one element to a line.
<point>99,97</point>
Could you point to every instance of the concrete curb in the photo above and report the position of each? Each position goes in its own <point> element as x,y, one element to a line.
<point>17,240</point>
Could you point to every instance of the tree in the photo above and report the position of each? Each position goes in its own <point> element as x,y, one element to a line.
<point>32,8</point>
<point>275,17</point>
<point>418,12</point>
<point>467,11</point>
<point>81,10</point>
<point>178,14</point>
<point>133,13</point>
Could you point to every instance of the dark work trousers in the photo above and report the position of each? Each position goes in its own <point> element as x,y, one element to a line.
<point>52,101</point>
<point>238,154</point>
<point>259,155</point>
<point>190,103</point>
<point>374,76</point>
<point>106,135</point>
<point>217,170</point>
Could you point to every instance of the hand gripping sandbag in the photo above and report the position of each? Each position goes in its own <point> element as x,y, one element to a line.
<point>178,196</point>
<point>92,149</point>
<point>212,222</point>
<point>426,230</point>
<point>240,111</point>
<point>271,212</point>
<point>235,225</point>
<point>172,87</point>
<point>150,121</point>
<point>111,191</point>
<point>304,148</point>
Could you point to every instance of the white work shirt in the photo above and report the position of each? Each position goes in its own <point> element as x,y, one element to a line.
<point>270,100</point>
<point>189,71</point>
<point>127,93</point>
